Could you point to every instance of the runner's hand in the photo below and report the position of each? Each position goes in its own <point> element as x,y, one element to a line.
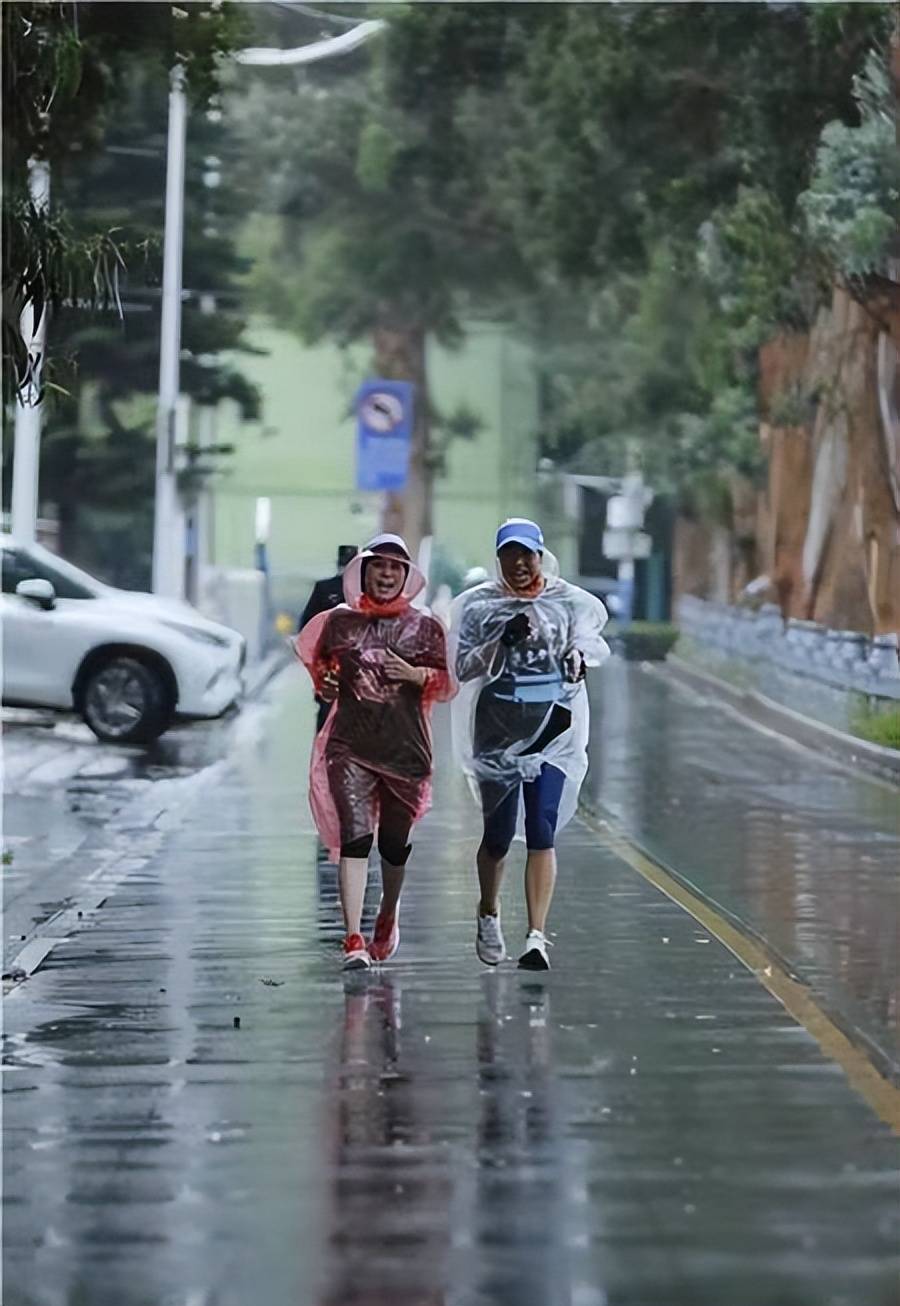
<point>328,687</point>
<point>516,629</point>
<point>395,668</point>
<point>574,666</point>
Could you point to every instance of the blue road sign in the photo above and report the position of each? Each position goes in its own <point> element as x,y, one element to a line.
<point>384,427</point>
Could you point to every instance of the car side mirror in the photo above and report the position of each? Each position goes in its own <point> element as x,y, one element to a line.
<point>40,592</point>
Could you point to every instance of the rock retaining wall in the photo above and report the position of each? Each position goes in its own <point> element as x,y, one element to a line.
<point>799,663</point>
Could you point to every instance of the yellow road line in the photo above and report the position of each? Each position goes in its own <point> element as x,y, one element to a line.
<point>882,1096</point>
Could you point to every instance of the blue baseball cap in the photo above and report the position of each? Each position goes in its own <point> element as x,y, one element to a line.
<point>519,530</point>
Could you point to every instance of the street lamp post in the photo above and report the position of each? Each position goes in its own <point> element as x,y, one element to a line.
<point>168,523</point>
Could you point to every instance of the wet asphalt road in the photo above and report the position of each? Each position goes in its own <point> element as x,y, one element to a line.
<point>646,1127</point>
<point>71,803</point>
<point>801,849</point>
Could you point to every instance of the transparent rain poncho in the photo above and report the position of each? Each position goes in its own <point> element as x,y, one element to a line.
<point>522,706</point>
<point>376,726</point>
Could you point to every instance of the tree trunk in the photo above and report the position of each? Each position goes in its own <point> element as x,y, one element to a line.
<point>400,356</point>
<point>832,546</point>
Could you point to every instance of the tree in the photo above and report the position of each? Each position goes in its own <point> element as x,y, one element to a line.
<point>378,179</point>
<point>625,183</point>
<point>65,67</point>
<point>652,170</point>
<point>108,183</point>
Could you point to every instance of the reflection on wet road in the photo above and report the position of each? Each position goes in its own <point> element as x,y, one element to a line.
<point>798,847</point>
<point>68,799</point>
<point>644,1127</point>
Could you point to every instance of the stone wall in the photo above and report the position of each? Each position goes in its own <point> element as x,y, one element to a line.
<point>803,664</point>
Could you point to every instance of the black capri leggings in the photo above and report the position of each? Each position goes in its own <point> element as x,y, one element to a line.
<point>393,836</point>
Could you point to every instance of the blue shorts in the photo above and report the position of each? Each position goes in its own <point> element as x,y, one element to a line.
<point>500,807</point>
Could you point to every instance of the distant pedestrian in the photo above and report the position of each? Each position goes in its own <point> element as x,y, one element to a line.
<point>381,664</point>
<point>327,594</point>
<point>521,645</point>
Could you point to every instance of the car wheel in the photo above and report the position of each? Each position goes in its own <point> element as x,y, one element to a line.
<point>126,702</point>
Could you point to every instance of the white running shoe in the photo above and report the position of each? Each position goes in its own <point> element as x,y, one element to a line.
<point>490,944</point>
<point>535,955</point>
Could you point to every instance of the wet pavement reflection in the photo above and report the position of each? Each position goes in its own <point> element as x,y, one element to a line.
<point>800,849</point>
<point>66,795</point>
<point>201,1111</point>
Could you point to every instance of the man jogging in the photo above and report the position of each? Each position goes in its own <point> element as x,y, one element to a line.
<point>521,645</point>
<point>381,664</point>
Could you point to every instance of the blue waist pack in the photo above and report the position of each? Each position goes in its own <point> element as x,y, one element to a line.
<point>542,688</point>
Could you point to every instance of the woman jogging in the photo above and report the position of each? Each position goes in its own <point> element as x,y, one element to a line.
<point>381,663</point>
<point>521,646</point>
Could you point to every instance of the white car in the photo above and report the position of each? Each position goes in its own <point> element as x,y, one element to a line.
<point>129,663</point>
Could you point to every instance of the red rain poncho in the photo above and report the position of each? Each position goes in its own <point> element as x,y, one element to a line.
<point>377,729</point>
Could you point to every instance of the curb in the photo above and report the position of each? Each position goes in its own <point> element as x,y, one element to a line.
<point>847,749</point>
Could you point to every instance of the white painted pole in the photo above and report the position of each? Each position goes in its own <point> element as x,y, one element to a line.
<point>168,523</point>
<point>29,409</point>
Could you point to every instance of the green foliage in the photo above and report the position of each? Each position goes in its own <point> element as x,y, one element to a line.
<point>852,207</point>
<point>376,158</point>
<point>656,375</point>
<point>376,172</point>
<point>879,728</point>
<point>620,181</point>
<point>724,437</point>
<point>66,70</point>
<point>54,265</point>
<point>640,124</point>
<point>65,66</point>
<point>656,187</point>
<point>381,201</point>
<point>793,406</point>
<point>94,258</point>
<point>758,266</point>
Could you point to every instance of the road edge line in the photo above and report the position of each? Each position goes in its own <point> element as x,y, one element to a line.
<point>878,1091</point>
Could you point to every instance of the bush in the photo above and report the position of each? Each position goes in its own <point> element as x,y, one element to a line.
<point>645,641</point>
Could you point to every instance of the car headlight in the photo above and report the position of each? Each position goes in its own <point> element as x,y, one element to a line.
<point>198,633</point>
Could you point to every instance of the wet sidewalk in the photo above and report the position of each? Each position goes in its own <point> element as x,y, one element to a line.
<point>200,1111</point>
<point>797,848</point>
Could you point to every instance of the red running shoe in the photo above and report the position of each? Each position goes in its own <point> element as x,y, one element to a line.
<point>385,937</point>
<point>356,954</point>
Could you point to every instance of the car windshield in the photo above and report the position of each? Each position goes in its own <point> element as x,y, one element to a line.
<point>36,563</point>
